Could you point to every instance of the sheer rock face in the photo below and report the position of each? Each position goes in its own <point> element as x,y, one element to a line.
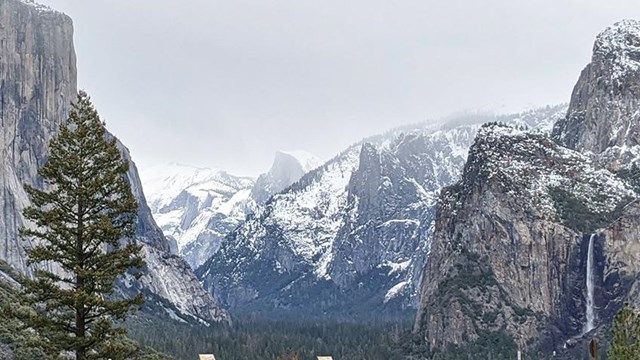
<point>344,239</point>
<point>619,281</point>
<point>604,120</point>
<point>351,237</point>
<point>37,84</point>
<point>502,257</point>
<point>287,168</point>
<point>603,113</point>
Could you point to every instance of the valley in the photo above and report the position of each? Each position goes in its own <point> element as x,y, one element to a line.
<point>493,234</point>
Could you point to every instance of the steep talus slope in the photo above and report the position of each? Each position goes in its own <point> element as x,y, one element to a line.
<point>510,248</point>
<point>168,276</point>
<point>37,84</point>
<point>352,235</point>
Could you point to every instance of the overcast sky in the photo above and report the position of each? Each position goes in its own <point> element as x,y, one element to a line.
<point>227,83</point>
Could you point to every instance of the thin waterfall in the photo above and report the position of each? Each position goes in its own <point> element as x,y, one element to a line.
<point>590,288</point>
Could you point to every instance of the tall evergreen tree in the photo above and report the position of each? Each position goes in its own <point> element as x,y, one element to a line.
<point>625,342</point>
<point>81,218</point>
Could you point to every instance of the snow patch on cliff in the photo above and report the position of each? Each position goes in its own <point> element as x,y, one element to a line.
<point>620,44</point>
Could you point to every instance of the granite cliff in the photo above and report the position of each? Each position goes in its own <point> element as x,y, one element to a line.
<point>538,241</point>
<point>38,81</point>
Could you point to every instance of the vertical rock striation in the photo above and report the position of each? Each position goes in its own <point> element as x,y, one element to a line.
<point>37,84</point>
<point>512,243</point>
<point>351,237</point>
<point>603,114</point>
<point>502,253</point>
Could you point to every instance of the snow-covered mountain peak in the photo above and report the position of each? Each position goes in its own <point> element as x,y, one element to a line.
<point>288,167</point>
<point>620,45</point>
<point>603,112</point>
<point>353,233</point>
<point>197,207</point>
<point>621,36</point>
<point>163,183</point>
<point>306,160</point>
<point>184,199</point>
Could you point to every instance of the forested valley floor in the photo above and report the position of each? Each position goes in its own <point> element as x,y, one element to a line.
<point>259,338</point>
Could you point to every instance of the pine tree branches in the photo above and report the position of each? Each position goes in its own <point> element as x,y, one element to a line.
<point>83,221</point>
<point>625,344</point>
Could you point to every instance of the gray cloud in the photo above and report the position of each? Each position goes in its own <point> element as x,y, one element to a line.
<point>227,83</point>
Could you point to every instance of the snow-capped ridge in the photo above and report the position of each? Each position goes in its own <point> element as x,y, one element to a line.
<point>307,160</point>
<point>199,206</point>
<point>364,214</point>
<point>163,183</point>
<point>604,111</point>
<point>619,38</point>
<point>538,119</point>
<point>287,168</point>
<point>619,45</point>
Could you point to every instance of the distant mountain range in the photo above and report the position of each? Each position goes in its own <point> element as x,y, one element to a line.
<point>38,82</point>
<point>485,229</point>
<point>197,207</point>
<point>538,243</point>
<point>352,235</point>
<point>521,229</point>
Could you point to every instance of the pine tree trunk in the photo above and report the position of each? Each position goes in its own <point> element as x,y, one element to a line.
<point>80,316</point>
<point>80,325</point>
<point>89,208</point>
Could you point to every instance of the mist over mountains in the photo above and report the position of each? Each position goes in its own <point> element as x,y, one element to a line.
<point>513,229</point>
